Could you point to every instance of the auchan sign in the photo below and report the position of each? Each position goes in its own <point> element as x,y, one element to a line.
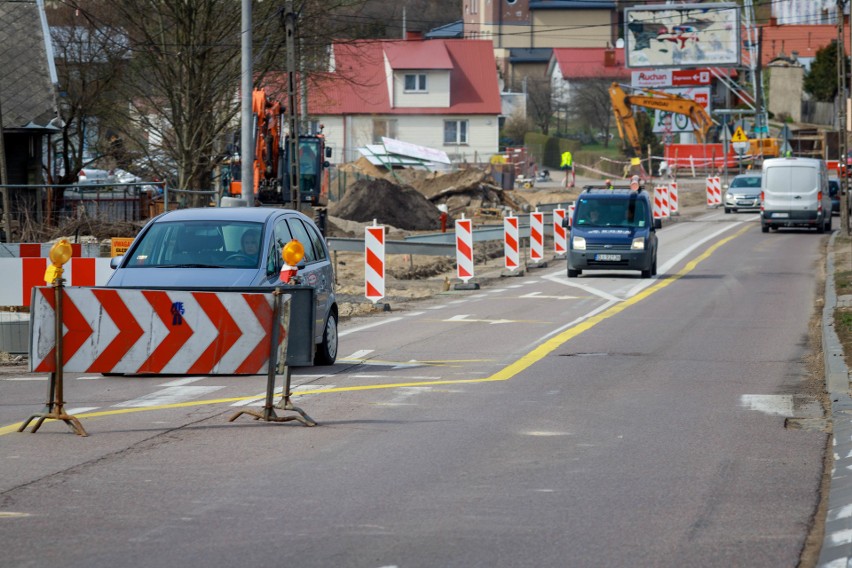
<point>670,78</point>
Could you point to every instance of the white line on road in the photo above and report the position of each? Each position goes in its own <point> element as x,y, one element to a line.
<point>166,396</point>
<point>368,326</point>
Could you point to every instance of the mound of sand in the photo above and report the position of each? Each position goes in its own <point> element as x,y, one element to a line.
<point>389,204</point>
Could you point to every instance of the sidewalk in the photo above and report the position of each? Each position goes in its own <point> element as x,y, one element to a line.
<point>837,542</point>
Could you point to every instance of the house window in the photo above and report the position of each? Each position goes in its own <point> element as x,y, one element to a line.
<point>383,127</point>
<point>455,132</point>
<point>415,82</point>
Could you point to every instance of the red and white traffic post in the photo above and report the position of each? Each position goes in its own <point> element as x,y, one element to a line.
<point>464,254</point>
<point>714,191</point>
<point>537,240</point>
<point>374,262</point>
<point>560,233</point>
<point>511,246</point>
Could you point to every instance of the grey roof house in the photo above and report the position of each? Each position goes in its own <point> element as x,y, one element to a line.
<point>27,89</point>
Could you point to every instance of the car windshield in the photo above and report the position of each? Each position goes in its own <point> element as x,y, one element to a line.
<point>198,244</point>
<point>746,181</point>
<point>612,212</point>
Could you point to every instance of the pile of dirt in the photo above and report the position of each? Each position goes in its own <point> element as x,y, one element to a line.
<point>388,203</point>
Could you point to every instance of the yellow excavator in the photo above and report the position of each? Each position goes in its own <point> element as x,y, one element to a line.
<point>622,103</point>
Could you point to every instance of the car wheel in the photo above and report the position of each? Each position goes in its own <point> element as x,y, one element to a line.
<point>654,267</point>
<point>764,228</point>
<point>573,273</point>
<point>828,224</point>
<point>727,209</point>
<point>820,228</point>
<point>327,350</point>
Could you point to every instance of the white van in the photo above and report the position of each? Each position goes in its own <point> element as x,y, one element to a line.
<point>794,193</point>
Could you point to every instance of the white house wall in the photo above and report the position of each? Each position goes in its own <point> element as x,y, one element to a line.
<point>437,94</point>
<point>423,130</point>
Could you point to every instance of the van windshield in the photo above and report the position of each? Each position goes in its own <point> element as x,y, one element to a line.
<point>612,212</point>
<point>791,179</point>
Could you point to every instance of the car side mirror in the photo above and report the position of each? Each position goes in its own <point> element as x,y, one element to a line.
<point>658,224</point>
<point>566,222</point>
<point>115,261</point>
<point>725,186</point>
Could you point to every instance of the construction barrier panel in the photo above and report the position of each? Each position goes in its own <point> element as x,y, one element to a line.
<point>511,253</point>
<point>673,199</point>
<point>374,262</point>
<point>21,275</point>
<point>560,234</point>
<point>464,249</point>
<point>664,201</point>
<point>658,204</point>
<point>714,191</point>
<point>536,236</point>
<point>120,330</point>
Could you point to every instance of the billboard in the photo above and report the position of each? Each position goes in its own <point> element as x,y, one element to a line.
<point>685,35</point>
<point>657,78</point>
<point>669,123</point>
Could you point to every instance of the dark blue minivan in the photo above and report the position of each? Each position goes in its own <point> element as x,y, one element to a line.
<point>613,229</point>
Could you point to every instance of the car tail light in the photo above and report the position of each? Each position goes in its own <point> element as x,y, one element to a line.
<point>761,201</point>
<point>819,201</point>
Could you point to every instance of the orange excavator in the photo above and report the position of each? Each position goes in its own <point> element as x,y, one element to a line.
<point>622,103</point>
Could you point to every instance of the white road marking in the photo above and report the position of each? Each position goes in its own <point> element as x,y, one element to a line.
<point>81,410</point>
<point>463,318</point>
<point>26,379</point>
<point>182,382</point>
<point>92,378</point>
<point>410,314</point>
<point>538,295</point>
<point>360,354</point>
<point>775,404</point>
<point>169,395</point>
<point>368,326</point>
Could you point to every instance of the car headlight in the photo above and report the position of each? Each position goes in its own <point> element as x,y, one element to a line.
<point>578,243</point>
<point>638,243</point>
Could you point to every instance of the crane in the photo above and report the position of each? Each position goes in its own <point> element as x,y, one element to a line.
<point>622,103</point>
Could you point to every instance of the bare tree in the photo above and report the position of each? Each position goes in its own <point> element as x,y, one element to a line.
<point>589,105</point>
<point>540,103</point>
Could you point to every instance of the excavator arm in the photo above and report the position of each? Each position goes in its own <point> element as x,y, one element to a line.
<point>624,120</point>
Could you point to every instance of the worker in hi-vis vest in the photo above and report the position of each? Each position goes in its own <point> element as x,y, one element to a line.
<point>567,166</point>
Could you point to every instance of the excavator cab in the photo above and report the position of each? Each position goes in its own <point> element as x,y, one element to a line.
<point>313,168</point>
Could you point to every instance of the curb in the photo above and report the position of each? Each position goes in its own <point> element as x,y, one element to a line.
<point>837,543</point>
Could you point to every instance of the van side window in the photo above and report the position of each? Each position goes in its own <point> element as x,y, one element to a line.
<point>300,233</point>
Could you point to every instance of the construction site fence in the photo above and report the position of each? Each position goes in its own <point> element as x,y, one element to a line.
<point>28,209</point>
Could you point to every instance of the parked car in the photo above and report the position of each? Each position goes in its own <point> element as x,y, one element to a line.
<point>743,193</point>
<point>232,248</point>
<point>795,194</point>
<point>834,192</point>
<point>613,229</point>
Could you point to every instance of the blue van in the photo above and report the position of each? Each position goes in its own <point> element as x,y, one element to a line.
<point>613,229</point>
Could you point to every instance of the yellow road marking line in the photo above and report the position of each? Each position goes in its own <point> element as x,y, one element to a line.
<point>504,374</point>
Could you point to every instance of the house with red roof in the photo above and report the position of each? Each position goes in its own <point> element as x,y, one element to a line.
<point>801,41</point>
<point>440,93</point>
<point>572,64</point>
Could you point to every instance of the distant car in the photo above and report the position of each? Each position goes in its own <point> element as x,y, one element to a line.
<point>834,194</point>
<point>743,193</point>
<point>232,247</point>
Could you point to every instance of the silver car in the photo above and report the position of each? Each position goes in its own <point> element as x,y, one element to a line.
<point>743,193</point>
<point>232,247</point>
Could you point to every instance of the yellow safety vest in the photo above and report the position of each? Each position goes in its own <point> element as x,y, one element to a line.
<point>566,159</point>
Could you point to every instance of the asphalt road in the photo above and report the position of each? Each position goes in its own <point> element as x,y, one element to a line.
<point>543,421</point>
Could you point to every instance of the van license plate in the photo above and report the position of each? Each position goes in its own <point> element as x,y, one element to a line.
<point>610,257</point>
<point>780,215</point>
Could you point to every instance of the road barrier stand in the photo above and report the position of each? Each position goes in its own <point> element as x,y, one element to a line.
<point>664,201</point>
<point>281,312</point>
<point>374,262</point>
<point>537,240</point>
<point>560,233</point>
<point>464,254</point>
<point>658,204</point>
<point>511,247</point>
<point>60,253</point>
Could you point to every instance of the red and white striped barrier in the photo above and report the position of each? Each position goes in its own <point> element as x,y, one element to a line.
<point>464,249</point>
<point>658,204</point>
<point>21,275</point>
<point>374,262</point>
<point>664,201</point>
<point>571,214</point>
<point>536,236</point>
<point>42,250</point>
<point>714,191</point>
<point>673,204</point>
<point>511,253</point>
<point>153,331</point>
<point>560,233</point>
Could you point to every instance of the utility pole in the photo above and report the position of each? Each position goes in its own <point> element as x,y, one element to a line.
<point>841,122</point>
<point>246,130</point>
<point>292,108</point>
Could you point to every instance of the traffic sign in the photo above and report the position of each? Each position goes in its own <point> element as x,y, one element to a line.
<point>739,135</point>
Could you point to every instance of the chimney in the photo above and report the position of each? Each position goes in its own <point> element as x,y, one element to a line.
<point>413,36</point>
<point>609,57</point>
